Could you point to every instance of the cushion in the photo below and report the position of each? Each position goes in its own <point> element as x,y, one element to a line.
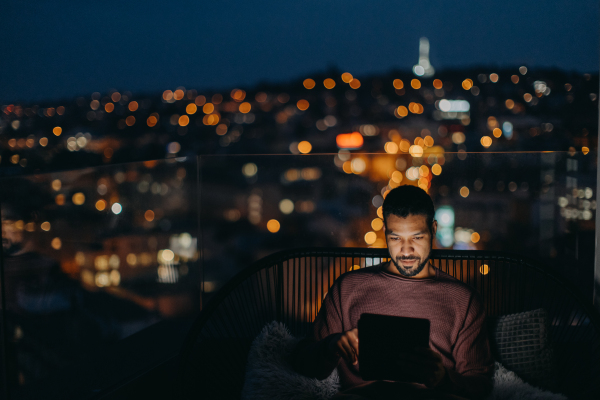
<point>269,374</point>
<point>508,386</point>
<point>521,343</point>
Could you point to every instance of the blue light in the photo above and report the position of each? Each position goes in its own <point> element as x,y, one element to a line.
<point>507,128</point>
<point>444,216</point>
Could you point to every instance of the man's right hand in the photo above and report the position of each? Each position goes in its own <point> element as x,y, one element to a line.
<point>345,345</point>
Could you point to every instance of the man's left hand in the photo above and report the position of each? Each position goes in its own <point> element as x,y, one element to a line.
<point>424,364</point>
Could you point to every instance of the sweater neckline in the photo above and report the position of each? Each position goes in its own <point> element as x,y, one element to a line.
<point>382,270</point>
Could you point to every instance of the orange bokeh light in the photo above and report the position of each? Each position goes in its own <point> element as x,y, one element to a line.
<point>352,140</point>
<point>245,107</point>
<point>302,105</point>
<point>309,83</point>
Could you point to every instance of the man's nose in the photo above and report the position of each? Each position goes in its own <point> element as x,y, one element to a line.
<point>407,248</point>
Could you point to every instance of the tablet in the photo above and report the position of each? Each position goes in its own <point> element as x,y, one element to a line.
<point>382,338</point>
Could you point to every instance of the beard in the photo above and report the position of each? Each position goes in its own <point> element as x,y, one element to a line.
<point>413,271</point>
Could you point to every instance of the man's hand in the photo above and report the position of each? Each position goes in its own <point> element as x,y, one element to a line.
<point>422,365</point>
<point>345,345</point>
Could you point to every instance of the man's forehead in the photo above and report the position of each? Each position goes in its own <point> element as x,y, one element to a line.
<point>410,218</point>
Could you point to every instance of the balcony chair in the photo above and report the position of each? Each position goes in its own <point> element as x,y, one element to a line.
<point>288,286</point>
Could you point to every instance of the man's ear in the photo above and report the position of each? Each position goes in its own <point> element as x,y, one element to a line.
<point>434,227</point>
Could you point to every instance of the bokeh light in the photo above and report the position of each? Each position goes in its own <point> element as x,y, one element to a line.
<point>415,151</point>
<point>486,141</point>
<point>249,170</point>
<point>302,105</point>
<point>56,243</point>
<point>184,120</point>
<point>78,198</point>
<point>101,205</point>
<point>329,83</point>
<point>354,83</point>
<point>398,84</point>
<point>286,206</point>
<point>391,148</point>
<point>309,83</point>
<point>402,111</point>
<point>304,147</point>
<point>245,107</point>
<point>273,226</point>
<point>370,237</point>
<point>191,108</point>
<point>377,224</point>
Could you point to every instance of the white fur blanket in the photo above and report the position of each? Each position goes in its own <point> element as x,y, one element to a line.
<point>269,375</point>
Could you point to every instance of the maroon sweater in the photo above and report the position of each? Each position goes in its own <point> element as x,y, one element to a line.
<point>454,310</point>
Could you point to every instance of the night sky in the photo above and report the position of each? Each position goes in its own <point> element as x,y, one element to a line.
<point>63,48</point>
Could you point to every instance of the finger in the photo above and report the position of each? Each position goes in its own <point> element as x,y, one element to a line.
<point>350,350</point>
<point>345,349</point>
<point>353,340</point>
<point>353,334</point>
<point>342,352</point>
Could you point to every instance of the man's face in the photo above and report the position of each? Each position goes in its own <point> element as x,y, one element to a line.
<point>12,238</point>
<point>409,243</point>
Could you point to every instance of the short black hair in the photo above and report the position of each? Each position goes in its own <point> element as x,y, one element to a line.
<point>409,200</point>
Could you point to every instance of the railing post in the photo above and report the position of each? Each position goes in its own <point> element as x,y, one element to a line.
<point>279,292</point>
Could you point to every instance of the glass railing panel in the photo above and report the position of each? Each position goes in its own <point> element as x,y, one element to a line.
<point>91,257</point>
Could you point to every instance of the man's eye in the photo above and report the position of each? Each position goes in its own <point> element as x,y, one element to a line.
<point>418,237</point>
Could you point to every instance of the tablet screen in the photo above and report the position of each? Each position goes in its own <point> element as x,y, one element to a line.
<point>382,338</point>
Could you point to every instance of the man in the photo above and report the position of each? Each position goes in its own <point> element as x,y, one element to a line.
<point>458,361</point>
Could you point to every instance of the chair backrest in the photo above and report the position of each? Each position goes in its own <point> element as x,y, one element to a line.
<point>288,286</point>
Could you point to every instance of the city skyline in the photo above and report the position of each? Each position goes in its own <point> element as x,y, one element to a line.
<point>55,53</point>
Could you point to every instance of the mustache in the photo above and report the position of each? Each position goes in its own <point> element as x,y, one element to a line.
<point>408,258</point>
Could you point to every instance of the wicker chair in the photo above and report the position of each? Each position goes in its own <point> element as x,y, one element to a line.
<point>288,286</point>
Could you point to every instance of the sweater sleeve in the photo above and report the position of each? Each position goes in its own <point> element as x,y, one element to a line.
<point>474,365</point>
<point>310,356</point>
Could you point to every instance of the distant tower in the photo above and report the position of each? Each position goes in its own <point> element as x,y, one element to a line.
<point>424,68</point>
